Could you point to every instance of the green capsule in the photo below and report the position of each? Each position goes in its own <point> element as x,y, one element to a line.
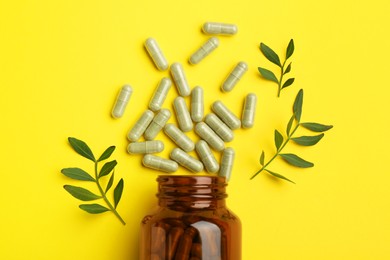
<point>226,115</point>
<point>248,112</point>
<point>121,101</point>
<point>180,79</point>
<point>157,124</point>
<point>140,126</point>
<point>160,94</point>
<point>219,127</point>
<point>179,138</point>
<point>197,104</point>
<point>160,164</point>
<point>154,146</point>
<point>207,134</point>
<point>186,160</point>
<point>206,156</point>
<point>234,76</point>
<point>219,28</point>
<point>227,161</point>
<point>204,50</point>
<point>182,114</point>
<point>156,54</point>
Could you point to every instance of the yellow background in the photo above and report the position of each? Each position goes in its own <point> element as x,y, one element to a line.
<point>62,63</point>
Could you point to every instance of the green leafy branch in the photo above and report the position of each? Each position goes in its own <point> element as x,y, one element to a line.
<point>274,58</point>
<point>293,124</point>
<point>80,193</point>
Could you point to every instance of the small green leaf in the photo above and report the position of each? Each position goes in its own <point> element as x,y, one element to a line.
<point>297,108</point>
<point>290,49</point>
<point>277,175</point>
<point>270,54</point>
<point>288,83</point>
<point>267,74</point>
<point>77,174</point>
<point>81,148</point>
<point>262,156</point>
<point>288,69</point>
<point>296,160</point>
<point>93,208</point>
<point>107,153</point>
<point>278,139</point>
<point>81,193</point>
<point>118,192</point>
<point>107,168</point>
<point>307,140</point>
<point>315,127</point>
<point>289,125</point>
<point>110,182</point>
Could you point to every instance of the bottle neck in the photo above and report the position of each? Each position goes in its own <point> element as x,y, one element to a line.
<point>189,193</point>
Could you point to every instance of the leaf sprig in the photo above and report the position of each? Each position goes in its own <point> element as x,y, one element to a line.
<point>292,126</point>
<point>274,58</point>
<point>82,194</point>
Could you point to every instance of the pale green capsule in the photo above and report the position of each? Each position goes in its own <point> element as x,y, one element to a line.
<point>186,160</point>
<point>234,76</point>
<point>160,164</point>
<point>206,156</point>
<point>219,127</point>
<point>207,134</point>
<point>121,101</point>
<point>180,79</point>
<point>157,124</point>
<point>210,45</point>
<point>182,114</point>
<point>156,54</point>
<point>227,161</point>
<point>154,146</point>
<point>197,104</point>
<point>140,126</point>
<point>227,116</point>
<point>179,138</point>
<point>160,94</point>
<point>249,110</point>
<point>219,28</point>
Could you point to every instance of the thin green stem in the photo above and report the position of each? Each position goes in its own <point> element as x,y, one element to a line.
<point>277,152</point>
<point>281,78</point>
<point>104,196</point>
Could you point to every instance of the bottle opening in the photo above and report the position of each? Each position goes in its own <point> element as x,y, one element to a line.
<point>187,191</point>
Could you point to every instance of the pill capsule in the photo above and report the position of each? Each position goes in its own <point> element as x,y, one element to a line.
<point>160,164</point>
<point>140,126</point>
<point>177,136</point>
<point>234,76</point>
<point>160,94</point>
<point>219,127</point>
<point>121,101</point>
<point>157,124</point>
<point>219,28</point>
<point>182,114</point>
<point>207,134</point>
<point>204,50</point>
<point>226,115</point>
<point>206,156</point>
<point>156,54</point>
<point>249,110</point>
<point>227,161</point>
<point>197,104</point>
<point>186,160</point>
<point>154,146</point>
<point>180,79</point>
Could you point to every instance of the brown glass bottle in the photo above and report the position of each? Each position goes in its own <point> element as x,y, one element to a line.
<point>192,221</point>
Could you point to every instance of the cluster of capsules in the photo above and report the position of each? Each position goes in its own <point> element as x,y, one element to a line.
<point>214,129</point>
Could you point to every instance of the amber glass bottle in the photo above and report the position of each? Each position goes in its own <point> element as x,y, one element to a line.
<point>192,221</point>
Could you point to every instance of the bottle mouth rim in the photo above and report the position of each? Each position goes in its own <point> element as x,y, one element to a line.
<point>182,187</point>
